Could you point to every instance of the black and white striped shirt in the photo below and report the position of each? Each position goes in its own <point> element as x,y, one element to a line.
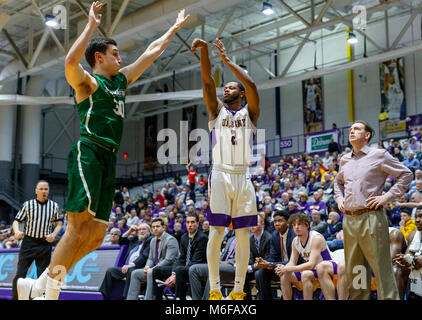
<point>39,217</point>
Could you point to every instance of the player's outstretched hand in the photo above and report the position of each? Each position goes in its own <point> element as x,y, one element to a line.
<point>181,19</point>
<point>198,43</point>
<point>93,17</point>
<point>221,49</point>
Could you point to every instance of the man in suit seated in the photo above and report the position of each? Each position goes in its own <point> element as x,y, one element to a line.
<point>164,250</point>
<point>280,252</point>
<point>260,243</point>
<point>198,273</point>
<point>193,250</point>
<point>138,239</point>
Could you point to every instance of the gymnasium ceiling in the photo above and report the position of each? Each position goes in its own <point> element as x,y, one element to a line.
<point>135,23</point>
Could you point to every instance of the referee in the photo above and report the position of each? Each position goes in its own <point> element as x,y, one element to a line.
<point>39,215</point>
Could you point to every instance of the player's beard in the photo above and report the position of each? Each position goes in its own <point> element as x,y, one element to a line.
<point>230,99</point>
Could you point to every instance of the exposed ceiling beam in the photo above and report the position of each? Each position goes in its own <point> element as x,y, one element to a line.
<point>15,47</point>
<point>86,13</point>
<point>118,17</point>
<point>293,12</point>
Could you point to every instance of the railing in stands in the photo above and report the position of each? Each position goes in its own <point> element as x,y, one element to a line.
<point>148,172</point>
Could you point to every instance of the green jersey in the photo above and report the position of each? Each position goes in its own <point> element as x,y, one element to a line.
<point>102,113</point>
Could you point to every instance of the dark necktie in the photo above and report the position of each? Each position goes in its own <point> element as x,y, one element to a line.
<point>156,251</point>
<point>257,244</point>
<point>188,251</point>
<point>282,247</point>
<point>231,250</point>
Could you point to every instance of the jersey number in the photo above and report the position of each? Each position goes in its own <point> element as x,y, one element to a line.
<point>120,108</point>
<point>234,142</point>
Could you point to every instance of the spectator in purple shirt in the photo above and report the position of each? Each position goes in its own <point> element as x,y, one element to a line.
<point>302,204</point>
<point>157,209</point>
<point>181,219</point>
<point>414,144</point>
<point>318,204</point>
<point>171,219</point>
<point>276,192</point>
<point>292,208</point>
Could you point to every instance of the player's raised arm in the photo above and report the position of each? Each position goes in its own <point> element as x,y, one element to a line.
<point>208,86</point>
<point>154,50</point>
<point>75,74</point>
<point>251,91</point>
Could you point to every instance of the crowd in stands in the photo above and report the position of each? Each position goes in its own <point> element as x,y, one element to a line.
<point>294,184</point>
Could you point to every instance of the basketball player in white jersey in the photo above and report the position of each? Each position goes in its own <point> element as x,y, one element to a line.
<point>311,246</point>
<point>232,195</point>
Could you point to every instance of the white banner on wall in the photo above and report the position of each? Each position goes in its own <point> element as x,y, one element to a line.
<point>318,142</point>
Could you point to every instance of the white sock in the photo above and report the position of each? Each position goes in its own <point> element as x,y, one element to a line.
<point>41,283</point>
<point>215,238</point>
<point>241,257</point>
<point>52,290</point>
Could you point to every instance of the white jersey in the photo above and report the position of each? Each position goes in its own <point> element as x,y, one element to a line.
<point>415,276</point>
<point>232,138</point>
<point>305,251</point>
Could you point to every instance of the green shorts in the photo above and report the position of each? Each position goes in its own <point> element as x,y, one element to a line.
<point>91,172</point>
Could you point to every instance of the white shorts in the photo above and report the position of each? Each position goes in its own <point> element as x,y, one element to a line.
<point>232,199</point>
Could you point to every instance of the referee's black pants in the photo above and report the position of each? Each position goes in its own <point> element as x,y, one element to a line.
<point>32,249</point>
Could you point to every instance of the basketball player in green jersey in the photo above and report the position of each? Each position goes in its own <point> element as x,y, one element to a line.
<point>99,98</point>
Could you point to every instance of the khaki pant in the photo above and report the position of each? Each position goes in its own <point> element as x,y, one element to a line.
<point>366,247</point>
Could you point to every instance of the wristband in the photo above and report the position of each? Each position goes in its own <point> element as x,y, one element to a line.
<point>271,266</point>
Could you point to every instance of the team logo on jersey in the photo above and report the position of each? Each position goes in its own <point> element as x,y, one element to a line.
<point>234,123</point>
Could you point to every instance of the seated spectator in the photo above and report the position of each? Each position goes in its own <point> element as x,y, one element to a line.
<point>318,204</point>
<point>202,184</point>
<point>113,237</point>
<point>148,218</point>
<point>284,200</point>
<point>260,243</point>
<point>130,205</point>
<point>411,162</point>
<point>397,154</point>
<point>193,250</point>
<point>198,273</point>
<point>177,231</point>
<point>302,204</point>
<point>122,225</point>
<point>168,196</point>
<point>138,239</point>
<point>287,187</point>
<point>393,211</point>
<point>298,189</point>
<point>206,227</point>
<point>276,192</point>
<point>416,202</point>
<point>336,243</point>
<point>280,251</point>
<point>317,224</point>
<point>133,218</point>
<point>407,224</point>
<point>157,209</point>
<point>334,226</point>
<point>201,217</point>
<point>119,213</point>
<point>259,192</point>
<point>159,197</point>
<point>327,160</point>
<point>292,208</point>
<point>405,151</point>
<point>411,261</point>
<point>419,153</point>
<point>414,144</point>
<point>12,243</point>
<point>181,219</point>
<point>312,185</point>
<point>171,219</point>
<point>163,251</point>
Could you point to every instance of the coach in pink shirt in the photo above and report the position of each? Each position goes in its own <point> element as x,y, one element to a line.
<point>358,187</point>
